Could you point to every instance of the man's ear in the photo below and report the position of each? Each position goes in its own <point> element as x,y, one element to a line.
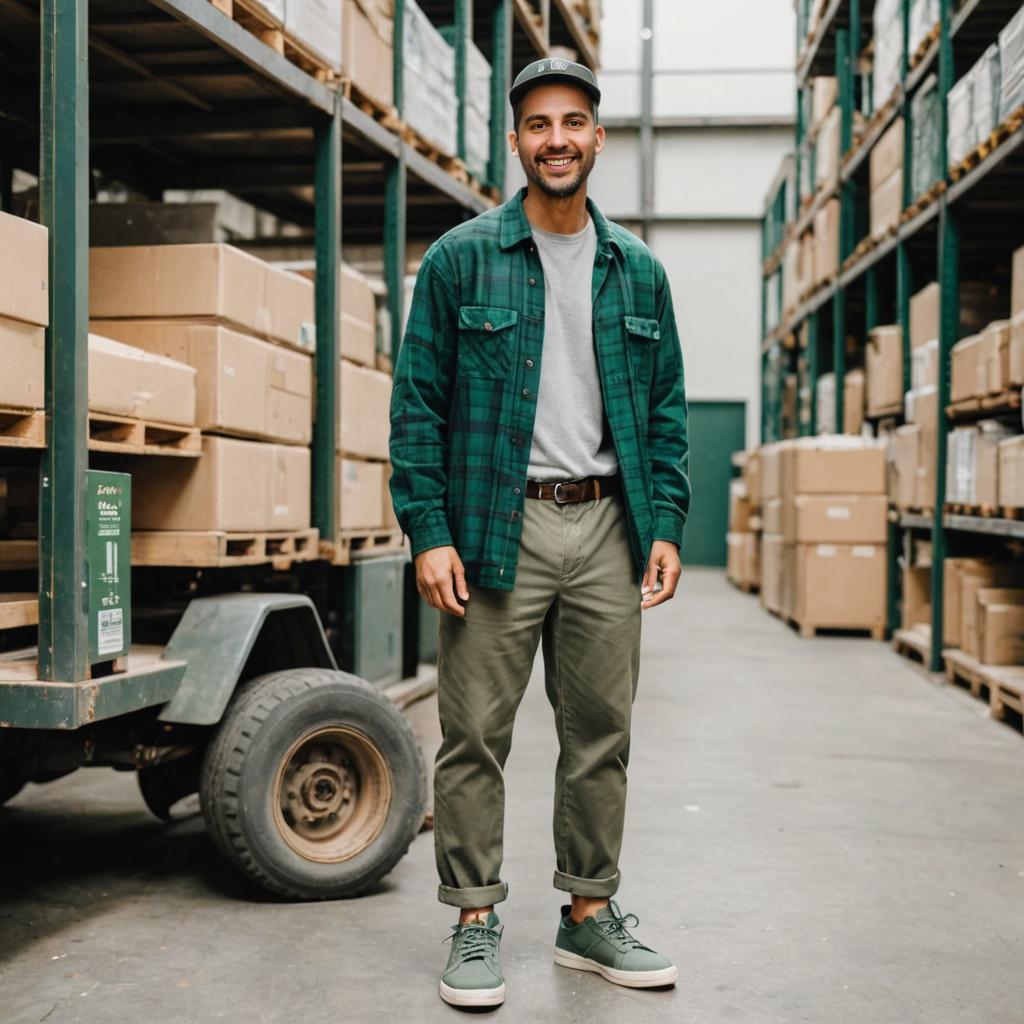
<point>513,140</point>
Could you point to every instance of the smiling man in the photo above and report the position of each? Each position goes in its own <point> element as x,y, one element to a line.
<point>538,435</point>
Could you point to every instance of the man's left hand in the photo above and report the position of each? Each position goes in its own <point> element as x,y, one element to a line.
<point>663,564</point>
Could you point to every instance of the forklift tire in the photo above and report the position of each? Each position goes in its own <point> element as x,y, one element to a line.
<point>163,785</point>
<point>314,784</point>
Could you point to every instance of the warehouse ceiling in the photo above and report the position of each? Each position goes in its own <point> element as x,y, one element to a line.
<point>173,109</point>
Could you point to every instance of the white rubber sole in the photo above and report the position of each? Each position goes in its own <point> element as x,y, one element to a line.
<point>473,996</point>
<point>628,979</point>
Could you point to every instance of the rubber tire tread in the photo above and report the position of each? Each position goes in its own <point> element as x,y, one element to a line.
<point>248,710</point>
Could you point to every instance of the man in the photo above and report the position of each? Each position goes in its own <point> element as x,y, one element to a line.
<point>540,457</point>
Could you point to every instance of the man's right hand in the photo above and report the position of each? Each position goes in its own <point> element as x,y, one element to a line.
<point>441,578</point>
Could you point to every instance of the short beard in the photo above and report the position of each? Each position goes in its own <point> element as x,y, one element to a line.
<point>564,189</point>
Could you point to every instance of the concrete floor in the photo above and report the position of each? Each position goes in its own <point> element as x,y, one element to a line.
<point>817,832</point>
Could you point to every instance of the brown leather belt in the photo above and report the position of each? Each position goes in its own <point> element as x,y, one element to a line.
<point>591,488</point>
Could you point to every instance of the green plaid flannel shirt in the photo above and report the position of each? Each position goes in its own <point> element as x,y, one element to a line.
<point>466,381</point>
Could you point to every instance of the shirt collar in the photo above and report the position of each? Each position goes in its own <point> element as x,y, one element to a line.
<point>515,228</point>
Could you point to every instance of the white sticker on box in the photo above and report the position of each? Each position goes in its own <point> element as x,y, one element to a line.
<point>280,510</point>
<point>110,631</point>
<point>837,512</point>
<point>826,551</point>
<point>307,335</point>
<point>863,551</point>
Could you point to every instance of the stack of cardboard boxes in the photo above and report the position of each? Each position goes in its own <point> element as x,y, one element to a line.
<point>854,383</point>
<point>887,181</point>
<point>429,100</point>
<point>1011,450</point>
<point>983,609</point>
<point>367,55</point>
<point>364,501</point>
<point>824,519</point>
<point>743,566</point>
<point>246,330</point>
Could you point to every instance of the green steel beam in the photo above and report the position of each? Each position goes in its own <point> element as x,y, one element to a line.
<point>395,193</point>
<point>905,28</point>
<point>949,334</point>
<point>501,81</point>
<point>398,49</point>
<point>812,366</point>
<point>844,76</point>
<point>839,352</point>
<point>947,73</point>
<point>463,28</point>
<point>328,143</point>
<point>893,539</point>
<point>904,289</point>
<point>64,209</point>
<point>871,313</point>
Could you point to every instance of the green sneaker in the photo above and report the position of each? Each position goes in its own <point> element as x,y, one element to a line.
<point>472,976</point>
<point>603,945</point>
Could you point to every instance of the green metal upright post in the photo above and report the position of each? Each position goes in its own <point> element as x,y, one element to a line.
<point>813,339</point>
<point>845,81</point>
<point>871,313</point>
<point>463,28</point>
<point>64,208</point>
<point>327,171</point>
<point>395,197</point>
<point>501,80</point>
<point>904,289</point>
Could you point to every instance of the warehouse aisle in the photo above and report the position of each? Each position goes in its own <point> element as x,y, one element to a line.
<point>814,827</point>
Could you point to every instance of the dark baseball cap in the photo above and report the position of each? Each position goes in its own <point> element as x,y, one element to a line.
<point>550,70</point>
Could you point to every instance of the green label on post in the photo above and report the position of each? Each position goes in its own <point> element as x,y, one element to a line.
<point>109,553</point>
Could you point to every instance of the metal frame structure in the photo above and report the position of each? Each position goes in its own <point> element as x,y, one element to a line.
<point>67,41</point>
<point>932,236</point>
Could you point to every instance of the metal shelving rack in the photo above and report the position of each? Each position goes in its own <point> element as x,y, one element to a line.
<point>954,236</point>
<point>174,94</point>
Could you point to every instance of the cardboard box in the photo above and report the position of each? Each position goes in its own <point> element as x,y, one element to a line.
<point>969,373</point>
<point>360,494</point>
<point>827,150</point>
<point>825,92</point>
<point>214,282</point>
<point>1017,286</point>
<point>316,24</point>
<point>886,205</point>
<point>835,519</point>
<point>364,416</point>
<point>772,554</point>
<point>833,466</point>
<point>924,365</point>
<point>999,614</point>
<point>924,315</point>
<point>734,557</point>
<point>128,381</point>
<point>972,467</point>
<point>24,270</point>
<point>740,509</point>
<point>904,458</point>
<point>771,519</point>
<point>853,401</point>
<point>244,386</point>
<point>771,471</point>
<point>925,411</point>
<point>752,477</point>
<point>995,340</point>
<point>917,597</point>
<point>236,486</point>
<point>886,158</point>
<point>997,578</point>
<point>358,317</point>
<point>884,369</point>
<point>23,346</point>
<point>826,242</point>
<point>839,586</point>
<point>952,616</point>
<point>1017,350</point>
<point>390,520</point>
<point>367,55</point>
<point>1011,472</point>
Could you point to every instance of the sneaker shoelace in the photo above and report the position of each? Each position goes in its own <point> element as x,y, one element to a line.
<point>616,928</point>
<point>477,941</point>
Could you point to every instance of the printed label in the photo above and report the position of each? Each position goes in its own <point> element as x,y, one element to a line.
<point>110,631</point>
<point>837,512</point>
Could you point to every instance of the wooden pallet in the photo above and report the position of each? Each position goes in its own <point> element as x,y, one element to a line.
<point>18,610</point>
<point>353,545</point>
<point>888,410</point>
<point>1000,686</point>
<point>130,436</point>
<point>914,643</point>
<point>962,670</point>
<point>808,630</point>
<point>259,22</point>
<point>746,586</point>
<point>923,201</point>
<point>925,45</point>
<point>1010,512</point>
<point>971,408</point>
<point>387,116</point>
<point>452,164</point>
<point>996,138</point>
<point>978,511</point>
<point>22,428</point>
<point>215,549</point>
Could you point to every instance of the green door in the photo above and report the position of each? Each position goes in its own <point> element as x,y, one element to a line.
<point>717,429</point>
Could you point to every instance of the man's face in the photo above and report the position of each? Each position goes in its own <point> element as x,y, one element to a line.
<point>557,139</point>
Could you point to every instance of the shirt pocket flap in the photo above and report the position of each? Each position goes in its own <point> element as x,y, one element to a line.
<point>487,318</point>
<point>644,328</point>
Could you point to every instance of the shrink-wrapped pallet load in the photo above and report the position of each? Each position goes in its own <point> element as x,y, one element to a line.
<point>429,99</point>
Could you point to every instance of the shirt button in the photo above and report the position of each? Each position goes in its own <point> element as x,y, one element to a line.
<point>533,281</point>
<point>488,326</point>
<point>526,392</point>
<point>529,364</point>
<point>517,490</point>
<point>515,515</point>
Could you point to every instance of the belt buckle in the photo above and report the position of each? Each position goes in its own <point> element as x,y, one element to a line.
<point>558,500</point>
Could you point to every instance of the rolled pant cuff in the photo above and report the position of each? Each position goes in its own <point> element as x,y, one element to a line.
<point>470,899</point>
<point>588,886</point>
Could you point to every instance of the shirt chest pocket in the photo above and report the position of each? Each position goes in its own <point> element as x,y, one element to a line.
<point>642,337</point>
<point>487,341</point>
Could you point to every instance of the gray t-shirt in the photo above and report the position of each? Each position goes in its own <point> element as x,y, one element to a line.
<point>570,437</point>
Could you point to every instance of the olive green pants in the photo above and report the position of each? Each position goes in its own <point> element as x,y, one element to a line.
<point>576,591</point>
